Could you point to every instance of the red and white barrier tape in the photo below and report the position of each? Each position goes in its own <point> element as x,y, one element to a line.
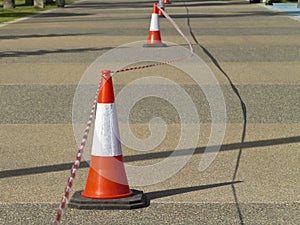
<point>178,29</point>
<point>76,164</point>
<point>77,161</point>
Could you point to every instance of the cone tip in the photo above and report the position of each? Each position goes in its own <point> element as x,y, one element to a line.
<point>106,93</point>
<point>154,9</point>
<point>106,72</point>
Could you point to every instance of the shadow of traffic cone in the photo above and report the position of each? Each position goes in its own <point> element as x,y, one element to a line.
<point>106,185</point>
<point>162,6</point>
<point>154,39</point>
<point>167,1</point>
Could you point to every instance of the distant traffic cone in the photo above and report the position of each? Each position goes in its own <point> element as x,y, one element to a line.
<point>162,6</point>
<point>154,39</point>
<point>107,181</point>
<point>167,1</point>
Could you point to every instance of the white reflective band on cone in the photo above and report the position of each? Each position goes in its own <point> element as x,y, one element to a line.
<point>106,141</point>
<point>154,26</point>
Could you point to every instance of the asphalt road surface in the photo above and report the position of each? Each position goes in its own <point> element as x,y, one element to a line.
<point>254,56</point>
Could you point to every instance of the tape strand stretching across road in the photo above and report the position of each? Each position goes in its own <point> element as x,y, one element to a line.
<point>166,62</point>
<point>77,161</point>
<point>79,154</point>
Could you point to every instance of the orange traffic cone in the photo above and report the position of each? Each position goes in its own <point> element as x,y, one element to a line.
<point>162,6</point>
<point>107,178</point>
<point>154,39</point>
<point>167,1</point>
<point>107,181</point>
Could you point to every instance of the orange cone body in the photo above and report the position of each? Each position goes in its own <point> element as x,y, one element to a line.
<point>154,38</point>
<point>107,178</point>
<point>167,2</point>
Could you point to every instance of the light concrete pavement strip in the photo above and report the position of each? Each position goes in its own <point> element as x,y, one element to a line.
<point>253,181</point>
<point>175,213</point>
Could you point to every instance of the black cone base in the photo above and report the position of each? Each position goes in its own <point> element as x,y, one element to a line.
<point>137,200</point>
<point>155,45</point>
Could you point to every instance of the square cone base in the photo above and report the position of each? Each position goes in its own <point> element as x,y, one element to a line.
<point>137,200</point>
<point>155,45</point>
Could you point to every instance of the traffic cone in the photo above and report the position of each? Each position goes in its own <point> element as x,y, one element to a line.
<point>106,178</point>
<point>107,185</point>
<point>162,6</point>
<point>154,39</point>
<point>167,1</point>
